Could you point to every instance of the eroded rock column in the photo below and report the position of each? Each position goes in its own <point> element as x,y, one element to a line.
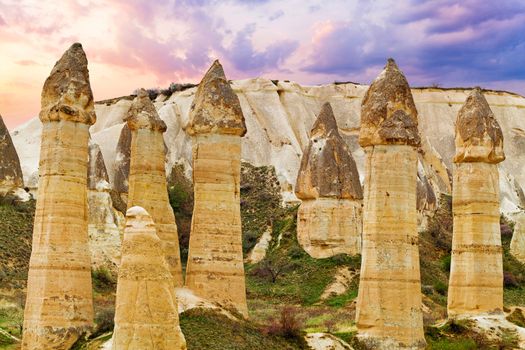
<point>476,272</point>
<point>146,313</point>
<point>389,301</point>
<point>215,268</point>
<point>11,177</point>
<point>517,245</point>
<point>147,177</point>
<point>329,220</point>
<point>105,223</point>
<point>59,304</point>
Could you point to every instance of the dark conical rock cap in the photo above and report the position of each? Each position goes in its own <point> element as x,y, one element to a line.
<point>122,161</point>
<point>11,176</point>
<point>325,122</point>
<point>143,114</point>
<point>67,94</point>
<point>97,170</point>
<point>478,135</point>
<point>388,112</point>
<point>327,167</point>
<point>216,108</point>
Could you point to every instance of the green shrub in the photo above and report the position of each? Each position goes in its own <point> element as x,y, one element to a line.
<point>103,280</point>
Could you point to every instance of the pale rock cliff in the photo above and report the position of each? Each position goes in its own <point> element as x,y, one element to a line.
<point>215,269</point>
<point>388,311</point>
<point>279,116</point>
<point>329,220</point>
<point>147,177</point>
<point>59,304</point>
<point>146,312</point>
<point>476,271</point>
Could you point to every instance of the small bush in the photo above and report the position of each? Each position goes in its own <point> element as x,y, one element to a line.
<point>288,325</point>
<point>509,280</point>
<point>441,288</point>
<point>104,320</point>
<point>446,262</point>
<point>103,280</point>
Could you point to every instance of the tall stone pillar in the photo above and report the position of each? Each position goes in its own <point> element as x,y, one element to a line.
<point>146,312</point>
<point>476,272</point>
<point>329,220</point>
<point>389,312</point>
<point>147,177</point>
<point>59,304</point>
<point>215,268</point>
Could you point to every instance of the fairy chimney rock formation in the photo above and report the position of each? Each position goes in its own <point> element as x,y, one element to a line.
<point>330,216</point>
<point>476,272</point>
<point>104,221</point>
<point>11,176</point>
<point>517,245</point>
<point>389,312</point>
<point>59,304</point>
<point>147,177</point>
<point>215,268</point>
<point>146,312</point>
<point>122,163</point>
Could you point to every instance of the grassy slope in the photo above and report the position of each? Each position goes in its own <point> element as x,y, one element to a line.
<point>204,329</point>
<point>300,283</point>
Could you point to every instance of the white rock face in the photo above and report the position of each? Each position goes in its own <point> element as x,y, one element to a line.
<point>278,117</point>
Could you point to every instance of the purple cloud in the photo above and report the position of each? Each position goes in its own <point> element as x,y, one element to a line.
<point>449,42</point>
<point>243,56</point>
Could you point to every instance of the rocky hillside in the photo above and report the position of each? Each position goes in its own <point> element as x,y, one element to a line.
<point>279,115</point>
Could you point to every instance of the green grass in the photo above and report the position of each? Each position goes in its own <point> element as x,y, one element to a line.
<point>304,278</point>
<point>452,344</point>
<point>204,329</point>
<point>16,231</point>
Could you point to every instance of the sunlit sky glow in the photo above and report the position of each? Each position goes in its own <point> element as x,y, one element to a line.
<point>133,44</point>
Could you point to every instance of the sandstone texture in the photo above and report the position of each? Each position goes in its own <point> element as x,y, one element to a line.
<point>59,304</point>
<point>279,116</point>
<point>105,223</point>
<point>146,312</point>
<point>517,245</point>
<point>329,219</point>
<point>122,163</point>
<point>215,269</point>
<point>476,272</point>
<point>388,314</point>
<point>11,176</point>
<point>147,177</point>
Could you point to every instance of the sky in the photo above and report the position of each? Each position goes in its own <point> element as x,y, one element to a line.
<point>132,43</point>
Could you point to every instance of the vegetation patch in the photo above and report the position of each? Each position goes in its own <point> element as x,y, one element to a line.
<point>16,232</point>
<point>260,203</point>
<point>180,191</point>
<point>205,329</point>
<point>300,279</point>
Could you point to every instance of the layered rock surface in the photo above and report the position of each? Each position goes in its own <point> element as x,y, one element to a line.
<point>11,176</point>
<point>476,272</point>
<point>59,304</point>
<point>388,311</point>
<point>146,313</point>
<point>215,269</point>
<point>279,116</point>
<point>105,223</point>
<point>329,219</point>
<point>517,245</point>
<point>147,177</point>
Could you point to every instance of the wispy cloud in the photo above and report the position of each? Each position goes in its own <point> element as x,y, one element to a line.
<point>132,43</point>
